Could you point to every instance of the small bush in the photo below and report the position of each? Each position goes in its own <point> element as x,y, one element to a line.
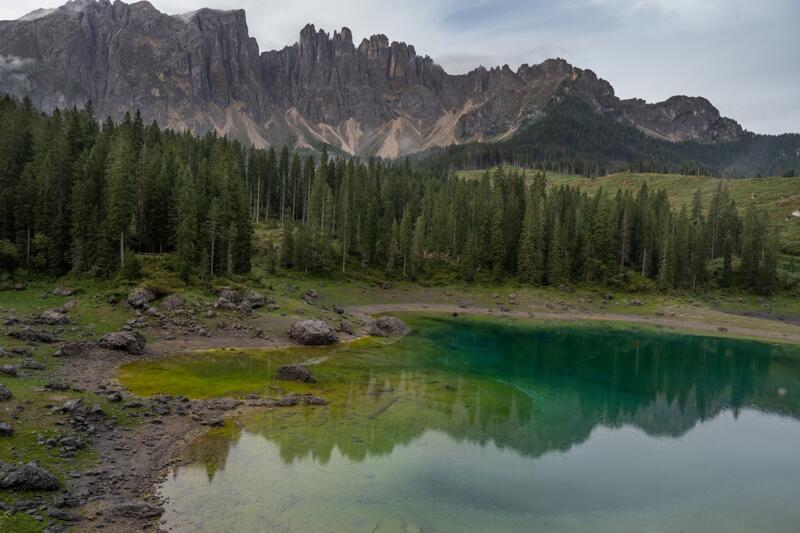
<point>131,267</point>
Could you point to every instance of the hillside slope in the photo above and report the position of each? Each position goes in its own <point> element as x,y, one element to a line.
<point>781,196</point>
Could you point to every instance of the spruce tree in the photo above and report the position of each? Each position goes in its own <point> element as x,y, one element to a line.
<point>186,228</point>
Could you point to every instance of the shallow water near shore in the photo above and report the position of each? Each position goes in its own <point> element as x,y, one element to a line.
<point>490,425</point>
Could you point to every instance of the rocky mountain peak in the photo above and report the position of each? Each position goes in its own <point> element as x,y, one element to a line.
<point>202,71</point>
<point>374,45</point>
<point>345,36</point>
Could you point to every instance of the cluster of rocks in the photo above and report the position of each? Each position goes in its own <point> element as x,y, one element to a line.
<point>172,303</point>
<point>320,333</point>
<point>291,400</point>
<point>33,336</point>
<point>177,316</point>
<point>229,299</point>
<point>81,417</point>
<point>66,444</point>
<point>13,352</point>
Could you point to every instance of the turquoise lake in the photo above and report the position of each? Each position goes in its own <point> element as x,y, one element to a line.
<point>490,425</point>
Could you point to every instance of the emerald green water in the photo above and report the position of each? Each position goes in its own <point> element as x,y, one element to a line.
<point>483,425</point>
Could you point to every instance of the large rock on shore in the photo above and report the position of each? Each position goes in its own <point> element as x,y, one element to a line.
<point>5,394</point>
<point>26,477</point>
<point>124,341</point>
<point>139,298</point>
<point>313,333</point>
<point>294,373</point>
<point>388,326</point>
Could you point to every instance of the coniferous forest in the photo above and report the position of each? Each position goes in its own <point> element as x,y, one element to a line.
<point>89,198</point>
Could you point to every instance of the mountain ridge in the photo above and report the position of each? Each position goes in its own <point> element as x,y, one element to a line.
<point>203,71</point>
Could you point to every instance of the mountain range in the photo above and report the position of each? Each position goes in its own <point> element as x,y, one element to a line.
<point>202,71</point>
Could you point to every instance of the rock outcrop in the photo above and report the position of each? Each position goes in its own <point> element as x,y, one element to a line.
<point>313,333</point>
<point>203,71</point>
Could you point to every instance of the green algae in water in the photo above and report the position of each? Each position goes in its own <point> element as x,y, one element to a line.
<point>483,425</point>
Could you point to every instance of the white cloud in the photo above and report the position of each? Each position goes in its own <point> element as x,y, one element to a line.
<point>14,64</point>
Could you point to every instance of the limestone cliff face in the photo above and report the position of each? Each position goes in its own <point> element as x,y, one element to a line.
<point>202,71</point>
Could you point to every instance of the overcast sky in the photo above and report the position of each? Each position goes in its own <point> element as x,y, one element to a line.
<point>743,55</point>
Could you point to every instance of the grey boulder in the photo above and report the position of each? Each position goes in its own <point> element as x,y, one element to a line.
<point>140,297</point>
<point>124,341</point>
<point>388,326</point>
<point>26,477</point>
<point>294,373</point>
<point>313,333</point>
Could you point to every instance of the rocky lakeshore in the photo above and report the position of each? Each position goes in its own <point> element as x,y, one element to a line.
<point>133,441</point>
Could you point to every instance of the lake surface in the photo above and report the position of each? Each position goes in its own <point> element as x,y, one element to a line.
<point>488,425</point>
